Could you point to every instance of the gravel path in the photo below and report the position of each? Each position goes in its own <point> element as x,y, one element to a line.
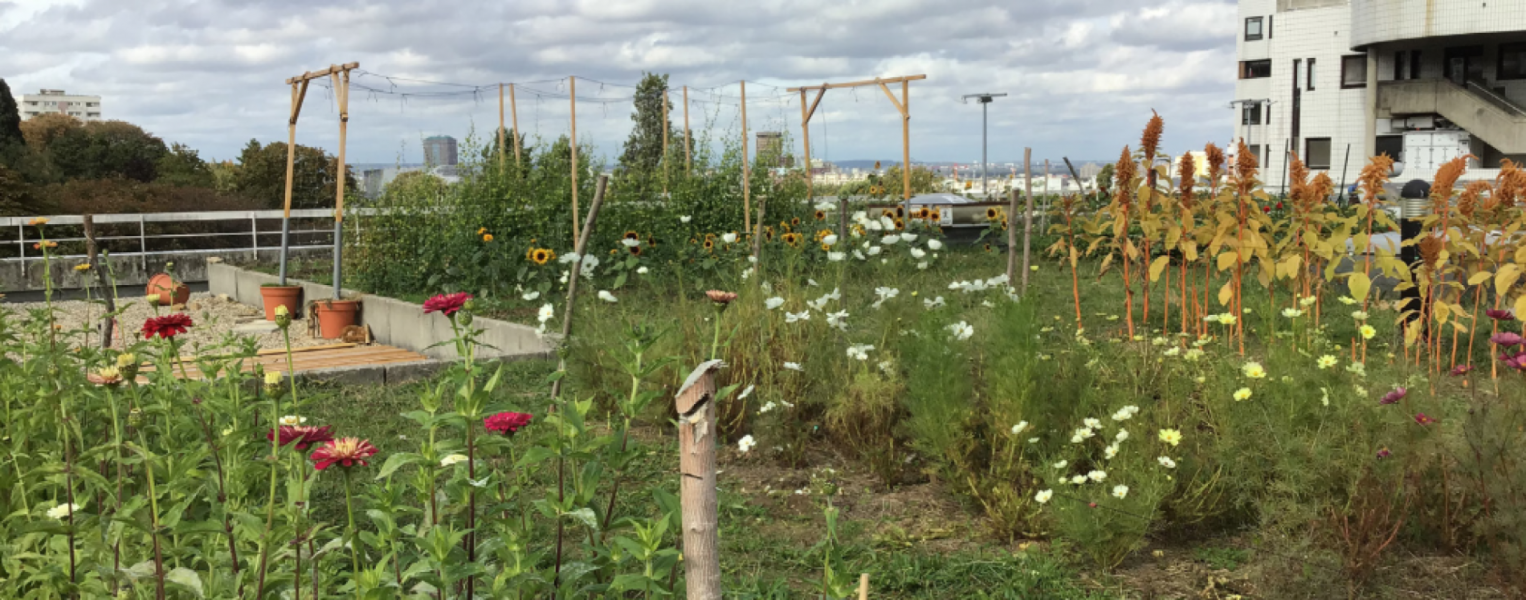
<point>214,317</point>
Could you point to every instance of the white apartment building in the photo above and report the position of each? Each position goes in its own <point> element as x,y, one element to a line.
<point>1424,81</point>
<point>84,108</point>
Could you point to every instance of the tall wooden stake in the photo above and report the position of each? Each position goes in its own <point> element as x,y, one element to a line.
<point>696,489</point>
<point>688,159</point>
<point>746,167</point>
<point>572,99</point>
<point>805,131</point>
<point>1027,213</point>
<point>1011,236</point>
<point>664,140</point>
<point>107,294</point>
<point>906,143</point>
<point>514,115</point>
<point>342,93</point>
<point>298,94</point>
<point>572,275</point>
<point>501,151</point>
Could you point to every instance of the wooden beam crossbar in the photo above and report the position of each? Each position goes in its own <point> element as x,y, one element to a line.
<point>324,73</point>
<point>875,81</point>
<point>902,105</point>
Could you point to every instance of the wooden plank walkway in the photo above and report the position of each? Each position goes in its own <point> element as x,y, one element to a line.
<point>316,357</point>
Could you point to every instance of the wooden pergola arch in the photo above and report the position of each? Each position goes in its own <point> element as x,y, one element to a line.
<point>903,105</point>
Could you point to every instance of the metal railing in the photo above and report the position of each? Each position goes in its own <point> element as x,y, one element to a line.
<point>145,241</point>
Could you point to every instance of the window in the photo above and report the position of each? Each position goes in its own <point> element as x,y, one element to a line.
<point>1392,145</point>
<point>1255,69</point>
<point>1269,27</point>
<point>1512,63</point>
<point>1317,153</point>
<point>1399,65</point>
<point>1414,64</point>
<point>1354,71</point>
<point>1250,113</point>
<point>1309,85</point>
<point>1252,29</point>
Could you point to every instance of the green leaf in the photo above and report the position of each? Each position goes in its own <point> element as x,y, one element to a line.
<point>397,461</point>
<point>1360,285</point>
<point>186,577</point>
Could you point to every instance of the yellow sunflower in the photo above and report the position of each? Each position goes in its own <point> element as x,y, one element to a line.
<point>887,213</point>
<point>795,222</point>
<point>935,216</point>
<point>631,235</point>
<point>992,213</point>
<point>542,255</point>
<point>900,225</point>
<point>821,215</point>
<point>709,243</point>
<point>635,250</point>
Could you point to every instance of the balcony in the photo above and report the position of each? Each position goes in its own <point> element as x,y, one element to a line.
<point>1384,21</point>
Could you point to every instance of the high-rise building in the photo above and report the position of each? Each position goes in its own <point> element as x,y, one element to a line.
<point>84,108</point>
<point>1424,81</point>
<point>770,147</point>
<point>439,151</point>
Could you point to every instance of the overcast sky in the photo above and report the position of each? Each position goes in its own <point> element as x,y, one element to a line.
<point>1082,75</point>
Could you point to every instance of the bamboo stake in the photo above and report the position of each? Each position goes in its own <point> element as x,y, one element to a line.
<point>1011,237</point>
<point>342,93</point>
<point>1027,214</point>
<point>572,275</point>
<point>863,586</point>
<point>572,99</point>
<point>906,142</point>
<point>298,94</point>
<point>805,130</point>
<point>746,167</point>
<point>696,491</point>
<point>688,159</point>
<point>501,154</point>
<point>514,114</point>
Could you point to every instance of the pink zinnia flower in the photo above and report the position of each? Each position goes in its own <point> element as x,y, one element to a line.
<point>1384,453</point>
<point>303,436</point>
<point>507,423</point>
<point>1507,338</point>
<point>1422,419</point>
<point>1460,370</point>
<point>1516,361</point>
<point>1394,396</point>
<point>449,304</point>
<point>1499,315</point>
<point>345,451</point>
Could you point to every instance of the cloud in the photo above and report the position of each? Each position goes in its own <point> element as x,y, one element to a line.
<point>1082,75</point>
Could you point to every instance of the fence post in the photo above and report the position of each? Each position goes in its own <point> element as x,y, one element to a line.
<point>254,236</point>
<point>21,245</point>
<point>696,487</point>
<point>142,246</point>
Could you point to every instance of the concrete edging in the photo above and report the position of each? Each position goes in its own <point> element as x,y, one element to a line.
<point>393,322</point>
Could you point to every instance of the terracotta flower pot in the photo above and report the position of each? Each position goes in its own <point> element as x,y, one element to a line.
<point>289,296</point>
<point>170,292</point>
<point>334,316</point>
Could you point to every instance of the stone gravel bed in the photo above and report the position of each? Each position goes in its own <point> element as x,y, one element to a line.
<point>214,316</point>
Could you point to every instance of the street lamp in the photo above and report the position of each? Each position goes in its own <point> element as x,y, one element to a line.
<point>985,182</point>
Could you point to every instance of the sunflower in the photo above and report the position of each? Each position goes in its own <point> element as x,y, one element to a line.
<point>858,229</point>
<point>651,241</point>
<point>709,244</point>
<point>992,213</point>
<point>530,253</point>
<point>635,250</point>
<point>481,230</point>
<point>822,234</point>
<point>821,215</point>
<point>920,213</point>
<point>614,251</point>
<point>487,237</point>
<point>631,235</point>
<point>792,238</point>
<point>693,241</point>
<point>709,237</point>
<point>768,233</point>
<point>988,247</point>
<point>900,212</point>
<point>935,216</point>
<point>900,225</point>
<point>826,248</point>
<point>795,222</point>
<point>542,255</point>
<point>887,213</point>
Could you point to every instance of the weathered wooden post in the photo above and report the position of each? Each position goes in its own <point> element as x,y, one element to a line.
<point>1027,213</point>
<point>696,488</point>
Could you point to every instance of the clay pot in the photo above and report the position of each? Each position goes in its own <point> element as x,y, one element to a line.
<point>169,291</point>
<point>334,316</point>
<point>289,296</point>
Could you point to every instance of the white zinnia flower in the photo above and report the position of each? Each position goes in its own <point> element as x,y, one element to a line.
<point>890,240</point>
<point>730,238</point>
<point>917,253</point>
<point>630,243</point>
<point>908,237</point>
<point>1019,427</point>
<point>643,271</point>
<point>922,266</point>
<point>836,256</point>
<point>933,244</point>
<point>607,297</point>
<point>830,240</point>
<point>685,219</point>
<point>873,250</point>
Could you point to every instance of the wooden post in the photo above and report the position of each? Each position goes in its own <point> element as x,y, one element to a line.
<point>757,234</point>
<point>298,94</point>
<point>805,130</point>
<point>1027,214</point>
<point>501,151</point>
<point>1048,202</point>
<point>906,143</point>
<point>91,248</point>
<point>342,93</point>
<point>863,586</point>
<point>688,159</point>
<point>664,160</point>
<point>746,167</point>
<point>1011,236</point>
<point>577,266</point>
<point>514,115</point>
<point>696,487</point>
<point>572,99</point>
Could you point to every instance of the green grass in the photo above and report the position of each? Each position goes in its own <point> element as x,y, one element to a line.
<point>1227,559</point>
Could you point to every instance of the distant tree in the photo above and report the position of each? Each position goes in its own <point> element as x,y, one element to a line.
<point>1105,179</point>
<point>262,175</point>
<point>923,181</point>
<point>42,129</point>
<point>105,149</point>
<point>17,197</point>
<point>10,119</point>
<point>490,151</point>
<point>643,149</point>
<point>183,167</point>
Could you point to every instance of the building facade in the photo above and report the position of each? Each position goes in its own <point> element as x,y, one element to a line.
<point>84,108</point>
<point>1338,81</point>
<point>439,151</point>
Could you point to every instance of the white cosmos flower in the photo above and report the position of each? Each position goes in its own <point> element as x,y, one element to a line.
<point>909,237</point>
<point>453,459</point>
<point>859,351</point>
<point>860,217</point>
<point>685,219</point>
<point>63,511</point>
<point>934,303</point>
<point>745,393</point>
<point>836,256</point>
<point>1043,496</point>
<point>830,240</point>
<point>933,244</point>
<point>643,271</point>
<point>922,266</point>
<point>811,282</point>
<point>730,238</point>
<point>819,303</point>
<point>890,239</point>
<point>1165,461</point>
<point>1110,451</point>
<point>886,293</point>
<point>1097,476</point>
<point>793,366</point>
<point>887,222</point>
<point>607,297</point>
<point>530,296</point>
<point>1292,313</point>
<point>874,226</point>
<point>746,443</point>
<point>1078,480</point>
<point>874,250</point>
<point>961,330</point>
<point>1120,491</point>
<point>1020,427</point>
<point>1123,434</point>
<point>767,408</point>
<point>859,255</point>
<point>773,303</point>
<point>803,315</point>
<point>838,319</point>
<point>825,206</point>
<point>1092,423</point>
<point>1062,464</point>
<point>546,313</point>
<point>567,258</point>
<point>630,243</point>
<point>918,253</point>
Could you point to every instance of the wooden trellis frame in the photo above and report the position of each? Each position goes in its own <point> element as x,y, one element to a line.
<point>340,74</point>
<point>903,105</point>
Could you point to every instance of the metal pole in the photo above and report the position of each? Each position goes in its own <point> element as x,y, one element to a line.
<point>1341,199</point>
<point>985,163</point>
<point>285,244</point>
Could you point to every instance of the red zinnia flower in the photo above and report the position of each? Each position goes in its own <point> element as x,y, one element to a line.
<point>447,303</point>
<point>1499,315</point>
<point>167,326</point>
<point>345,451</point>
<point>1266,209</point>
<point>507,423</point>
<point>1384,453</point>
<point>1394,396</point>
<point>1507,338</point>
<point>1279,206</point>
<point>1424,420</point>
<point>1460,370</point>
<point>304,436</point>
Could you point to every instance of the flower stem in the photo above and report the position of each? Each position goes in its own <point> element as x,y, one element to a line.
<point>349,509</point>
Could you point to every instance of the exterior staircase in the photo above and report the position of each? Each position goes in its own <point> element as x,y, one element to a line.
<point>1485,114</point>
